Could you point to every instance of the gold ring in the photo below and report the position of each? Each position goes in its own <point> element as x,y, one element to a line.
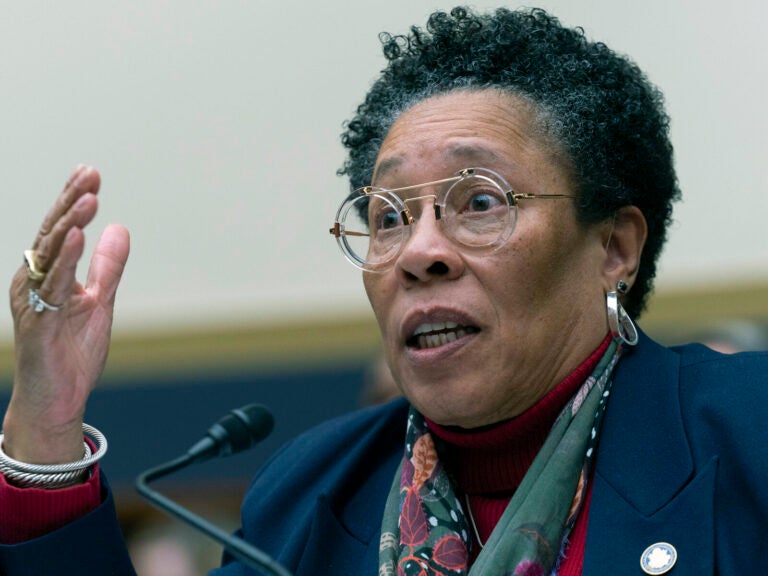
<point>33,271</point>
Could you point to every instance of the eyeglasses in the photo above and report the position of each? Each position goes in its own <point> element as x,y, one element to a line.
<point>476,206</point>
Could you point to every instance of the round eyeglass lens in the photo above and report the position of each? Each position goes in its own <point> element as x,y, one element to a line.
<point>372,229</point>
<point>477,212</point>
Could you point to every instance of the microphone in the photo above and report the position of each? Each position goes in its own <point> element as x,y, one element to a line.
<point>239,430</point>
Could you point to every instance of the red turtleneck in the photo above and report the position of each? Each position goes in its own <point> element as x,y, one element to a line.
<point>488,465</point>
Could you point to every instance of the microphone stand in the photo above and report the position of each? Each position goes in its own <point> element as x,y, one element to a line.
<point>239,548</point>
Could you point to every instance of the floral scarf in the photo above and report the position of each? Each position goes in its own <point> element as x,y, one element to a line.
<point>425,530</point>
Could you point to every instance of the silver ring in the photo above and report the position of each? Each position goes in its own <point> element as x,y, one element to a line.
<point>38,304</point>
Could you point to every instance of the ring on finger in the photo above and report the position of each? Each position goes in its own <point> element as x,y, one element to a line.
<point>33,269</point>
<point>38,304</point>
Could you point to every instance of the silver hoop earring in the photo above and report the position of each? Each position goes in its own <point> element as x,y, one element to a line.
<point>619,322</point>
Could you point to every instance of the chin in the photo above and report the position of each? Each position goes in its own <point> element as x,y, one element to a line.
<point>456,415</point>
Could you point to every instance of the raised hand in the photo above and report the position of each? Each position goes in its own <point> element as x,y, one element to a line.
<point>61,344</point>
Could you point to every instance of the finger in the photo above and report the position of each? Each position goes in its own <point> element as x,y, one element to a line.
<point>80,214</point>
<point>108,262</point>
<point>59,283</point>
<point>84,179</point>
<point>55,289</point>
<point>19,291</point>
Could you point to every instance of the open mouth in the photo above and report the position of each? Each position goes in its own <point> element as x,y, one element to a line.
<point>438,334</point>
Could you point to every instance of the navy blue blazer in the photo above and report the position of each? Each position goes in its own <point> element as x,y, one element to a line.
<point>683,459</point>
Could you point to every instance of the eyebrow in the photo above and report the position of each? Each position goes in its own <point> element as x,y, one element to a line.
<point>473,155</point>
<point>387,165</point>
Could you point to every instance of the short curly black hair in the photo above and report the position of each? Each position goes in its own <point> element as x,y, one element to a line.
<point>598,107</point>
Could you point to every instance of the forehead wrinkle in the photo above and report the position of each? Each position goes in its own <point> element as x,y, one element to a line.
<point>471,156</point>
<point>478,154</point>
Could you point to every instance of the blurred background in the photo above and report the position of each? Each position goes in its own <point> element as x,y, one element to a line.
<point>216,127</point>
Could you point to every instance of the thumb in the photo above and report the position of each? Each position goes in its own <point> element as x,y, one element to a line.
<point>108,262</point>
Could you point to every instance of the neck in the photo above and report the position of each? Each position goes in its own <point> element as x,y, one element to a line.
<point>495,458</point>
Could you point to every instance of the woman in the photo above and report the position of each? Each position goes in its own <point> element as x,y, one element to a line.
<point>513,184</point>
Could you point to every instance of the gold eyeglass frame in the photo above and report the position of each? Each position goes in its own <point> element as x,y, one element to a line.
<point>512,197</point>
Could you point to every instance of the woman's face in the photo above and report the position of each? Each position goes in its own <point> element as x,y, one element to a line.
<point>521,318</point>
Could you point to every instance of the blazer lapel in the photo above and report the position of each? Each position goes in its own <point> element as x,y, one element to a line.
<point>344,534</point>
<point>645,490</point>
<point>332,549</point>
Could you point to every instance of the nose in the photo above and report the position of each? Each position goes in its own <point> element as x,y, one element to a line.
<point>428,254</point>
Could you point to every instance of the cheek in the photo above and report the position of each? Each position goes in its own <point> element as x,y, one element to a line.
<point>511,272</point>
<point>371,284</point>
<point>379,295</point>
<point>532,268</point>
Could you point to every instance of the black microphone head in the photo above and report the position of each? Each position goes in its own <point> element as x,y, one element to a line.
<point>257,419</point>
<point>242,428</point>
<point>237,431</point>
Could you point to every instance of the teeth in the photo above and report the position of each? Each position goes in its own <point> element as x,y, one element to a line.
<point>439,339</point>
<point>436,327</point>
<point>434,334</point>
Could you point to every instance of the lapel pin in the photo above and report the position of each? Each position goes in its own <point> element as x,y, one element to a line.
<point>658,558</point>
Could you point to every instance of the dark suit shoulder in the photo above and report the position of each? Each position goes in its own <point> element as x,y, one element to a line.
<point>338,472</point>
<point>342,439</point>
<point>697,354</point>
<point>724,398</point>
<point>731,386</point>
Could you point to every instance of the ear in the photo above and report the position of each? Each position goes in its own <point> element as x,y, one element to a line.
<point>624,242</point>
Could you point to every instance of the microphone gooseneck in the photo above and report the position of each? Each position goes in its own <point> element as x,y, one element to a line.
<point>239,430</point>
